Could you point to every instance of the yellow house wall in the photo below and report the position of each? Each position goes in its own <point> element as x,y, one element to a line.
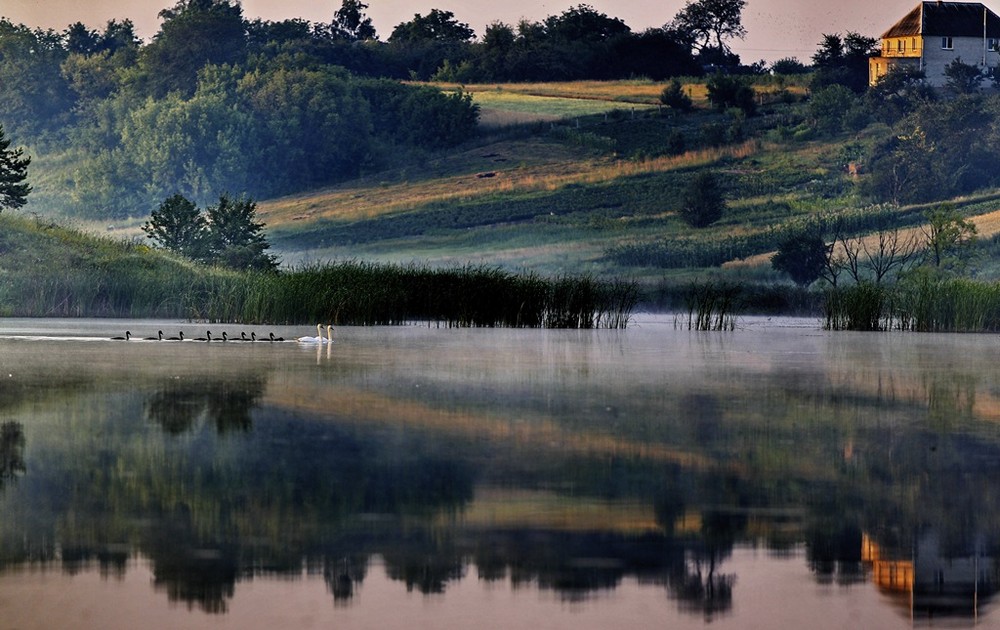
<point>912,46</point>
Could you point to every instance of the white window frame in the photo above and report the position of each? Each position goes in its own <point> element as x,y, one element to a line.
<point>947,43</point>
<point>993,44</point>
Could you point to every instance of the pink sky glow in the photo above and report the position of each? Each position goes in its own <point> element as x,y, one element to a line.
<point>776,28</point>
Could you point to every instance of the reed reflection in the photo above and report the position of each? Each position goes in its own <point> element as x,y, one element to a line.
<point>12,444</point>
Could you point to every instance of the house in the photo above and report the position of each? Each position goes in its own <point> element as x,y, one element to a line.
<point>934,34</point>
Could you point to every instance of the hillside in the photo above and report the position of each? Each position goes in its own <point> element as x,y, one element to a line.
<point>557,197</point>
<point>593,185</point>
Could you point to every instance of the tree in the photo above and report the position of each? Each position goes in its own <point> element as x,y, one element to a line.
<point>438,26</point>
<point>897,93</point>
<point>179,226</point>
<point>879,254</point>
<point>946,233</point>
<point>675,97</point>
<point>584,24</point>
<point>703,202</point>
<point>829,107</point>
<point>14,188</point>
<point>194,34</point>
<point>351,23</point>
<point>789,65</point>
<point>803,256</point>
<point>843,61</point>
<point>235,238</point>
<point>712,20</point>
<point>34,95</point>
<point>725,92</point>
<point>963,78</point>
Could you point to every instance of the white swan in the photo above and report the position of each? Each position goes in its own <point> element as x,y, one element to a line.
<point>319,336</point>
<point>317,339</point>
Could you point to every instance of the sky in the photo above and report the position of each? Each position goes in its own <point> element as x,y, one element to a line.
<point>776,28</point>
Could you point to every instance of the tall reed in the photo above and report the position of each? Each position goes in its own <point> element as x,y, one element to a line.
<point>344,293</point>
<point>712,306</point>
<point>921,303</point>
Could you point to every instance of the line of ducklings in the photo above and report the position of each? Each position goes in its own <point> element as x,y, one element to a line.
<point>243,337</point>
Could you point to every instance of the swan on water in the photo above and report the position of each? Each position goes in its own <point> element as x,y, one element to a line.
<point>207,337</point>
<point>317,339</point>
<point>128,336</point>
<point>273,338</point>
<point>159,336</point>
<point>319,335</point>
<point>178,338</point>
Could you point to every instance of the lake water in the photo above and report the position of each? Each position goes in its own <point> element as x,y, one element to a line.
<point>776,476</point>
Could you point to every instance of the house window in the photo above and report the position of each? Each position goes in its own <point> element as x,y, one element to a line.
<point>946,44</point>
<point>901,46</point>
<point>993,45</point>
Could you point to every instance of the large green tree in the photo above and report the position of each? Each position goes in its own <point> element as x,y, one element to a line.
<point>235,237</point>
<point>711,23</point>
<point>843,60</point>
<point>194,34</point>
<point>351,23</point>
<point>34,96</point>
<point>14,188</point>
<point>179,226</point>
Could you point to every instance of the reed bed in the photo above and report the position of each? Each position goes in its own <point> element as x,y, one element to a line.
<point>712,306</point>
<point>348,293</point>
<point>919,304</point>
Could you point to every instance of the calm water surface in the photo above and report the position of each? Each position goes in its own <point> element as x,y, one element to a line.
<point>774,476</point>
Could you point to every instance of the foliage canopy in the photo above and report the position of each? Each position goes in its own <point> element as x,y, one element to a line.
<point>14,187</point>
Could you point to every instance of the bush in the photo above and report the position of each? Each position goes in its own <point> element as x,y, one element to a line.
<point>725,92</point>
<point>673,96</point>
<point>802,256</point>
<point>703,202</point>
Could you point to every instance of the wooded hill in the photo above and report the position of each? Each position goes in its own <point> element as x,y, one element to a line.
<point>591,177</point>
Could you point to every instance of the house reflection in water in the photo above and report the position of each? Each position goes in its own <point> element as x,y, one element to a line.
<point>927,583</point>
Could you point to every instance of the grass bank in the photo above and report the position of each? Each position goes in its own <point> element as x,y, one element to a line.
<point>52,271</point>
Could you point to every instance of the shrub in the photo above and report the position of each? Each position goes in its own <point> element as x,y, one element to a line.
<point>802,256</point>
<point>673,96</point>
<point>703,202</point>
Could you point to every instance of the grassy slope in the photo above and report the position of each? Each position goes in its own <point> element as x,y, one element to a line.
<point>551,198</point>
<point>555,197</point>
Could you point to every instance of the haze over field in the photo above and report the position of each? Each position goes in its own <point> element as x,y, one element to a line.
<point>776,28</point>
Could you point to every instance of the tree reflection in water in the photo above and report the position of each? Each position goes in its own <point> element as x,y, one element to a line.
<point>343,574</point>
<point>12,444</point>
<point>227,403</point>
<point>293,487</point>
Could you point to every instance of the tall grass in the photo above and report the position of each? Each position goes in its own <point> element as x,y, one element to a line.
<point>712,306</point>
<point>922,303</point>
<point>346,293</point>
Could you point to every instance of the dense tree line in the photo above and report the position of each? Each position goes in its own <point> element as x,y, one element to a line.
<point>215,101</point>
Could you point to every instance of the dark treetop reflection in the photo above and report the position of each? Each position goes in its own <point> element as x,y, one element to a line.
<point>222,468</point>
